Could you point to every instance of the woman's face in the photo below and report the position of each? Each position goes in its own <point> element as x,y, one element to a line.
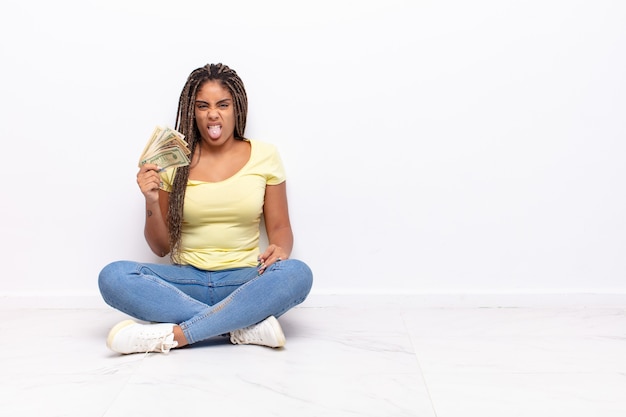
<point>215,113</point>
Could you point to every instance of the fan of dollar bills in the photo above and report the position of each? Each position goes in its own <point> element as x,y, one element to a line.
<point>166,148</point>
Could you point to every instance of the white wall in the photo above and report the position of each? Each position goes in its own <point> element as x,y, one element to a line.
<point>431,146</point>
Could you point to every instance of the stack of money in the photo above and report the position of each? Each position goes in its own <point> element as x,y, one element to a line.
<point>165,148</point>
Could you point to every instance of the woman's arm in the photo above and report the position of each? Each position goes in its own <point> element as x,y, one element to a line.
<point>277,224</point>
<point>155,229</point>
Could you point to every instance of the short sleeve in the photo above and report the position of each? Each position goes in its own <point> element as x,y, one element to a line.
<point>276,170</point>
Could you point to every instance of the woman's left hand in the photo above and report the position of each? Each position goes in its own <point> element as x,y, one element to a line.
<point>271,255</point>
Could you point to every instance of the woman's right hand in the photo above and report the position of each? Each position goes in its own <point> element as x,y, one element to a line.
<point>149,181</point>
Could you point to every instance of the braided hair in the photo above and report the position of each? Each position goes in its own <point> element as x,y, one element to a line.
<point>186,124</point>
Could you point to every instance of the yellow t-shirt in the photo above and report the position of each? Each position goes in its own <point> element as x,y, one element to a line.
<point>221,220</point>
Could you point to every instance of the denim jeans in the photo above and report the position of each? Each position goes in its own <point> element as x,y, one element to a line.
<point>204,303</point>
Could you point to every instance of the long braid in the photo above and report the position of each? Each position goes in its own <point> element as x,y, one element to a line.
<point>186,124</point>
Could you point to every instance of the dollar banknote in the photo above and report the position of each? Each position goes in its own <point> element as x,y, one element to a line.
<point>168,157</point>
<point>165,148</point>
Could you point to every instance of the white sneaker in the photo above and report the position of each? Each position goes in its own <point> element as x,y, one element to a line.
<point>266,333</point>
<point>132,337</point>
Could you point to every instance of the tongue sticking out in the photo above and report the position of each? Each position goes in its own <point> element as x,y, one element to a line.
<point>215,131</point>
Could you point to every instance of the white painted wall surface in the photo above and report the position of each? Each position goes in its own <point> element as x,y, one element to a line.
<point>431,146</point>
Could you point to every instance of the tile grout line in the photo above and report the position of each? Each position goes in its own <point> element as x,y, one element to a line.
<point>419,367</point>
<point>135,365</point>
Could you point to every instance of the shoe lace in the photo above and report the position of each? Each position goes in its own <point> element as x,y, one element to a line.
<point>162,344</point>
<point>249,334</point>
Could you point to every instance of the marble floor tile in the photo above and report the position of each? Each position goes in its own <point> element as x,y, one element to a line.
<point>519,340</point>
<point>528,394</point>
<point>522,362</point>
<point>344,357</point>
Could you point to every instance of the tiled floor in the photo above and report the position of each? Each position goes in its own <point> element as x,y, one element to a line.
<point>357,358</point>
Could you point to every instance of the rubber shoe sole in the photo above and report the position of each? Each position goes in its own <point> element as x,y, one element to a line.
<point>278,331</point>
<point>115,330</point>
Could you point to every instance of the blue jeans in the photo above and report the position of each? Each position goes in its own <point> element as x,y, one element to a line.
<point>204,303</point>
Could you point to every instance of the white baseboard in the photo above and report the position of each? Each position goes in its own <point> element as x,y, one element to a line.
<point>56,300</point>
<point>348,298</point>
<point>468,300</point>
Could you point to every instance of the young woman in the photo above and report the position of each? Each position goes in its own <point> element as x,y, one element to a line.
<point>206,216</point>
